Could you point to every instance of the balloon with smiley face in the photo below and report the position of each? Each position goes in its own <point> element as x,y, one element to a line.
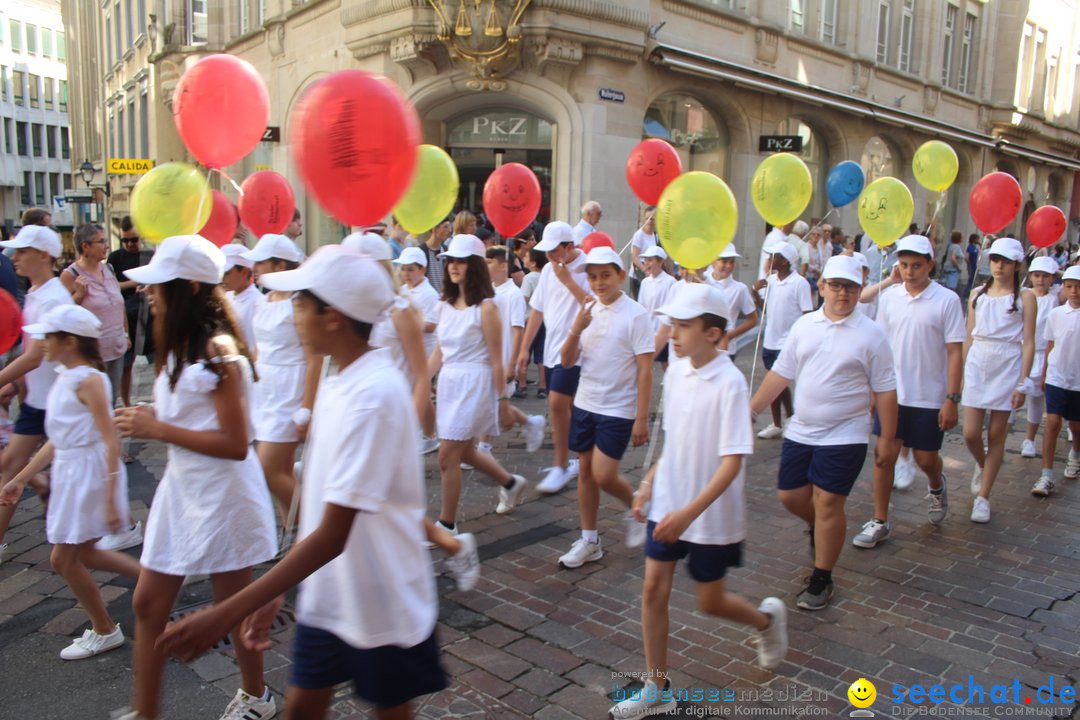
<point>511,198</point>
<point>844,183</point>
<point>652,164</point>
<point>885,210</point>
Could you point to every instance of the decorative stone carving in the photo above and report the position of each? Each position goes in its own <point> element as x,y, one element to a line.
<point>556,58</point>
<point>483,34</point>
<point>414,53</point>
<point>931,95</point>
<point>768,45</point>
<point>860,78</point>
<point>275,38</point>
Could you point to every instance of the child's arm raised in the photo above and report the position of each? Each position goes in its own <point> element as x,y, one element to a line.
<point>91,393</point>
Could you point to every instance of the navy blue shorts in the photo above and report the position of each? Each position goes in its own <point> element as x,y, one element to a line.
<point>1059,401</point>
<point>563,380</point>
<point>917,427</point>
<point>384,676</point>
<point>706,563</point>
<point>611,435</point>
<point>31,421</point>
<point>769,357</point>
<point>537,348</point>
<point>662,356</point>
<point>833,468</point>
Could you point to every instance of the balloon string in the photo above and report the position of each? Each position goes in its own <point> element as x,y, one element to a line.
<point>761,331</point>
<point>823,219</point>
<point>202,203</point>
<point>232,182</point>
<point>655,430</point>
<point>939,205</point>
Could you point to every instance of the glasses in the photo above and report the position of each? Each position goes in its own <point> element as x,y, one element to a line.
<point>130,240</point>
<point>843,287</point>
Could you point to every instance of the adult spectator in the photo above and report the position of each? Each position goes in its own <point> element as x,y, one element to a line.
<point>464,224</point>
<point>972,252</point>
<point>644,238</point>
<point>296,228</point>
<point>795,238</point>
<point>954,261</point>
<point>397,236</point>
<point>982,267</point>
<point>37,216</point>
<point>590,218</point>
<point>435,244</point>
<point>140,322</point>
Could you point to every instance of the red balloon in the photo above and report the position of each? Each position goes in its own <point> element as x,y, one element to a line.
<point>1045,226</point>
<point>221,109</point>
<point>650,167</point>
<point>995,201</point>
<point>511,198</point>
<point>11,321</point>
<point>221,226</point>
<point>354,138</point>
<point>597,239</point>
<point>267,203</point>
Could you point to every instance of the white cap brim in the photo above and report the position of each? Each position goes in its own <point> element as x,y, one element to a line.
<point>37,331</point>
<point>149,275</point>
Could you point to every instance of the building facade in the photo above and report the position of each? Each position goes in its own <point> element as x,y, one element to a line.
<point>35,166</point>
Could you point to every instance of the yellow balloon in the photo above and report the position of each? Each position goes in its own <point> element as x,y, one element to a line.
<point>433,191</point>
<point>935,165</point>
<point>885,210</point>
<point>781,188</point>
<point>171,199</point>
<point>696,218</point>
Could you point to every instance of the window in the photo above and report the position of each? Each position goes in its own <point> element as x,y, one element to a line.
<point>16,36</point>
<point>120,133</point>
<point>35,100</point>
<point>46,42</point>
<point>142,16</point>
<point>54,185</point>
<point>61,46</point>
<point>27,183</point>
<point>31,39</point>
<point>907,26</point>
<point>39,188</point>
<point>65,144</point>
<point>35,133</point>
<point>50,94</point>
<point>964,79</point>
<point>1027,66</point>
<point>108,40</point>
<point>883,31</point>
<point>63,96</point>
<point>946,55</point>
<point>144,125</point>
<point>1038,87</point>
<point>131,127</point>
<point>797,16</point>
<point>9,142</point>
<point>828,21</point>
<point>20,138</point>
<point>18,81</point>
<point>245,21</point>
<point>701,142</point>
<point>877,159</point>
<point>119,20</point>
<point>50,136</point>
<point>128,39</point>
<point>67,181</point>
<point>196,22</point>
<point>261,17</point>
<point>3,83</point>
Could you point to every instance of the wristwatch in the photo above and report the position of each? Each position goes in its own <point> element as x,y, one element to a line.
<point>955,397</point>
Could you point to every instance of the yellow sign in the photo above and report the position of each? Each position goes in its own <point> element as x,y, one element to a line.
<point>130,166</point>
<point>263,167</point>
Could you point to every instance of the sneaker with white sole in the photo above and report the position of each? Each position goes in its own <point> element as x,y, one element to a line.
<point>464,566</point>
<point>873,532</point>
<point>480,447</point>
<point>440,526</point>
<point>572,469</point>
<point>510,497</point>
<point>555,479</point>
<point>581,552</point>
<point>1072,466</point>
<point>772,642</point>
<point>1043,487</point>
<point>816,594</point>
<point>91,644</point>
<point>428,445</point>
<point>123,540</point>
<point>976,481</point>
<point>1027,449</point>
<point>980,510</point>
<point>649,700</point>
<point>534,432</point>
<point>635,531</point>
<point>939,503</point>
<point>904,473</point>
<point>249,707</point>
<point>771,432</point>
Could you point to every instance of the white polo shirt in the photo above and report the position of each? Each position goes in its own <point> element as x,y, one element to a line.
<point>582,230</point>
<point>364,455</point>
<point>643,240</point>
<point>425,298</point>
<point>738,298</point>
<point>786,302</point>
<point>1063,363</point>
<point>843,363</point>
<point>919,327</point>
<point>705,419</point>
<point>654,293</point>
<point>618,333</point>
<point>244,305</point>
<point>775,236</point>
<point>511,304</point>
<point>559,306</point>
<point>39,301</point>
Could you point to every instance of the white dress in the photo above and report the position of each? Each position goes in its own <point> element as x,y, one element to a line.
<point>994,361</point>
<point>467,406</point>
<point>1045,304</point>
<point>79,475</point>
<point>209,515</point>
<point>281,366</point>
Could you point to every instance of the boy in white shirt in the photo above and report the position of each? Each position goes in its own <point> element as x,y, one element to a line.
<point>838,358</point>
<point>1061,382</point>
<point>737,297</point>
<point>367,607</point>
<point>559,293</point>
<point>787,298</point>
<point>418,290</point>
<point>612,341</point>
<point>693,497</point>
<point>241,291</point>
<point>657,288</point>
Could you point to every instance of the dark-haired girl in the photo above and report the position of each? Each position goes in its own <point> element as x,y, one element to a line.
<point>998,356</point>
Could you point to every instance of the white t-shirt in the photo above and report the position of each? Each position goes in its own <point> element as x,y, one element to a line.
<point>706,413</point>
<point>1043,306</point>
<point>804,250</point>
<point>1063,363</point>
<point>511,304</point>
<point>364,455</point>
<point>738,299</point>
<point>244,305</point>
<point>775,236</point>
<point>844,362</point>
<point>654,293</point>
<point>424,298</point>
<point>785,303</point>
<point>618,333</point>
<point>39,301</point>
<point>559,306</point>
<point>528,284</point>
<point>643,240</point>
<point>919,327</point>
<point>582,230</point>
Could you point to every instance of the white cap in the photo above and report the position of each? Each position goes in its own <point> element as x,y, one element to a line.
<point>73,319</point>
<point>1008,248</point>
<point>37,237</point>
<point>234,256</point>
<point>918,244</point>
<point>862,259</point>
<point>787,251</point>
<point>412,256</point>
<point>351,283</point>
<point>1044,264</point>
<point>694,300</point>
<point>800,228</point>
<point>464,246</point>
<point>843,267</point>
<point>655,251</point>
<point>276,246</point>
<point>555,234</point>
<point>182,257</point>
<point>604,256</point>
<point>1072,273</point>
<point>368,244</point>
<point>729,252</point>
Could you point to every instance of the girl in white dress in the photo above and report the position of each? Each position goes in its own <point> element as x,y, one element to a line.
<point>211,513</point>
<point>89,484</point>
<point>1041,273</point>
<point>471,389</point>
<point>998,355</point>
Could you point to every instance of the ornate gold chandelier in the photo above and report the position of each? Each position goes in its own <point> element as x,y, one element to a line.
<point>474,32</point>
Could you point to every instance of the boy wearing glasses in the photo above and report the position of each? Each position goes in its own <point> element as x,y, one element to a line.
<point>837,357</point>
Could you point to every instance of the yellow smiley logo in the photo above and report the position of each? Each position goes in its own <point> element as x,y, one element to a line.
<point>862,693</point>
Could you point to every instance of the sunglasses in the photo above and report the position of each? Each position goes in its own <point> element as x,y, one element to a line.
<point>127,241</point>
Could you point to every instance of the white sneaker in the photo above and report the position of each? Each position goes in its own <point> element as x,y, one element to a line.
<point>122,540</point>
<point>872,533</point>
<point>91,644</point>
<point>480,447</point>
<point>976,481</point>
<point>649,700</point>
<point>534,432</point>
<point>771,432</point>
<point>581,552</point>
<point>510,497</point>
<point>635,531</point>
<point>249,707</point>
<point>554,480</point>
<point>428,445</point>
<point>1043,487</point>
<point>772,642</point>
<point>1072,466</point>
<point>438,524</point>
<point>980,510</point>
<point>904,473</point>
<point>939,503</point>
<point>1027,449</point>
<point>572,469</point>
<point>465,565</point>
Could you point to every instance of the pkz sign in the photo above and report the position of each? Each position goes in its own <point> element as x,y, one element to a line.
<point>494,128</point>
<point>780,143</point>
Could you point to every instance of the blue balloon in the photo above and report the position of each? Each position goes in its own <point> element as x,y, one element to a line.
<point>844,183</point>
